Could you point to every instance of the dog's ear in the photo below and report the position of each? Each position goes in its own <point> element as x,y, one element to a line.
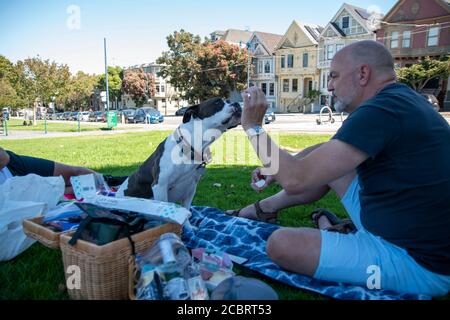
<point>191,112</point>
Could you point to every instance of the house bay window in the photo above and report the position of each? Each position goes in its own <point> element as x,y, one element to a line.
<point>286,85</point>
<point>433,36</point>
<point>394,40</point>
<point>267,67</point>
<point>406,41</point>
<point>330,52</point>
<point>294,85</point>
<point>272,89</point>
<point>264,88</point>
<point>290,60</point>
<point>305,60</point>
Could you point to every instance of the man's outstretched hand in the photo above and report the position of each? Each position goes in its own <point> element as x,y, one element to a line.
<point>255,106</point>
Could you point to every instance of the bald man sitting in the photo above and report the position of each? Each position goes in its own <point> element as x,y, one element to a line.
<point>388,163</point>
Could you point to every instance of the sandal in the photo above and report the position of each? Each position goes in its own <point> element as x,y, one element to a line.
<point>344,226</point>
<point>268,217</point>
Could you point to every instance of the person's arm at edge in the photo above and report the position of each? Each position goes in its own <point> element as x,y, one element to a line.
<point>4,158</point>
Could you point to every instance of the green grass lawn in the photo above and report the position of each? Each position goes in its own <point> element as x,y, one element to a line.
<point>38,273</point>
<point>52,126</point>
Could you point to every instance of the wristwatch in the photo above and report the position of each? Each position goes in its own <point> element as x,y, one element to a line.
<point>255,131</point>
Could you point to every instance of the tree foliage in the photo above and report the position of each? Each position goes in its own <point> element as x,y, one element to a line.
<point>79,90</point>
<point>201,70</point>
<point>418,75</point>
<point>140,86</point>
<point>115,78</point>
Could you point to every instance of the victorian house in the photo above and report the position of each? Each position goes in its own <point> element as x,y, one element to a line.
<point>415,29</point>
<point>262,47</point>
<point>167,99</point>
<point>349,24</point>
<point>296,67</point>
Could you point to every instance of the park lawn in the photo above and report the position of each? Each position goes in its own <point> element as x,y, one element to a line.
<point>52,126</point>
<point>38,273</point>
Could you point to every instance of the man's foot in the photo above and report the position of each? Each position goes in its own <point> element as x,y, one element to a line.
<point>260,210</point>
<point>325,220</point>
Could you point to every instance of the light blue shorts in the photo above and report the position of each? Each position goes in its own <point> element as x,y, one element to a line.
<point>367,260</point>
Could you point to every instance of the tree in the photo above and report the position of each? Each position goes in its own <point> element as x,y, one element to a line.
<point>139,85</point>
<point>39,80</point>
<point>79,90</point>
<point>8,94</point>
<point>203,70</point>
<point>418,75</point>
<point>115,78</point>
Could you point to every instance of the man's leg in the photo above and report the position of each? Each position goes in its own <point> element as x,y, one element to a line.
<point>304,256</point>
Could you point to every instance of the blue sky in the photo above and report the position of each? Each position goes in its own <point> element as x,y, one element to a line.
<point>136,29</point>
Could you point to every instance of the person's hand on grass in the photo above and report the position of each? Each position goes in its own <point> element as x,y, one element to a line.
<point>257,176</point>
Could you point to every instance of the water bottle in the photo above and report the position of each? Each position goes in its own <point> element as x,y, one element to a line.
<point>176,287</point>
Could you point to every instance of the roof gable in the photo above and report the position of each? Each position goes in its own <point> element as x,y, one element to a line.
<point>359,14</point>
<point>300,35</point>
<point>411,10</point>
<point>268,41</point>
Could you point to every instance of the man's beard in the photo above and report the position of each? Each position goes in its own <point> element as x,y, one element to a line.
<point>340,106</point>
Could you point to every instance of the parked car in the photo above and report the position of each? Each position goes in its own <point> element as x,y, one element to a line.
<point>148,115</point>
<point>66,115</point>
<point>84,116</point>
<point>181,111</point>
<point>432,100</point>
<point>269,117</point>
<point>129,115</point>
<point>97,116</point>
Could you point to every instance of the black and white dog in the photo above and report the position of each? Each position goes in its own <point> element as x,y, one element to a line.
<point>172,172</point>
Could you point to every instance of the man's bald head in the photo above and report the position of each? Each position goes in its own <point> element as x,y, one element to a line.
<point>369,52</point>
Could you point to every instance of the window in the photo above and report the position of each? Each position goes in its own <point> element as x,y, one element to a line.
<point>294,85</point>
<point>271,89</point>
<point>305,60</point>
<point>433,35</point>
<point>406,42</point>
<point>345,22</point>
<point>339,47</point>
<point>267,67</point>
<point>330,52</point>
<point>260,65</point>
<point>283,62</point>
<point>286,85</point>
<point>264,88</point>
<point>162,88</point>
<point>157,88</point>
<point>394,40</point>
<point>290,60</point>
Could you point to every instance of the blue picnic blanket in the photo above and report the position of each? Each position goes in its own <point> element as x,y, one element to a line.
<point>213,229</point>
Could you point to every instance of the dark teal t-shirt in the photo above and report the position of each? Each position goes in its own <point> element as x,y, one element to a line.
<point>405,182</point>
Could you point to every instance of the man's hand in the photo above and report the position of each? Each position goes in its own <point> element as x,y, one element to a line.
<point>4,158</point>
<point>255,106</point>
<point>258,176</point>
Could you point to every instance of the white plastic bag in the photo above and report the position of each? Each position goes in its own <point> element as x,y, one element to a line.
<point>24,198</point>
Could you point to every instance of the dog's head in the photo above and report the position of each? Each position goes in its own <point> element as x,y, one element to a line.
<point>215,113</point>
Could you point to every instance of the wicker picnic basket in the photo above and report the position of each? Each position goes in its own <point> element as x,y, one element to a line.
<point>104,269</point>
<point>35,229</point>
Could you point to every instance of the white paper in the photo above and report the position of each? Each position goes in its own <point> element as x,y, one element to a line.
<point>83,186</point>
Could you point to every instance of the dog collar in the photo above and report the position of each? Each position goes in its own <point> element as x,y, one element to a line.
<point>205,156</point>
